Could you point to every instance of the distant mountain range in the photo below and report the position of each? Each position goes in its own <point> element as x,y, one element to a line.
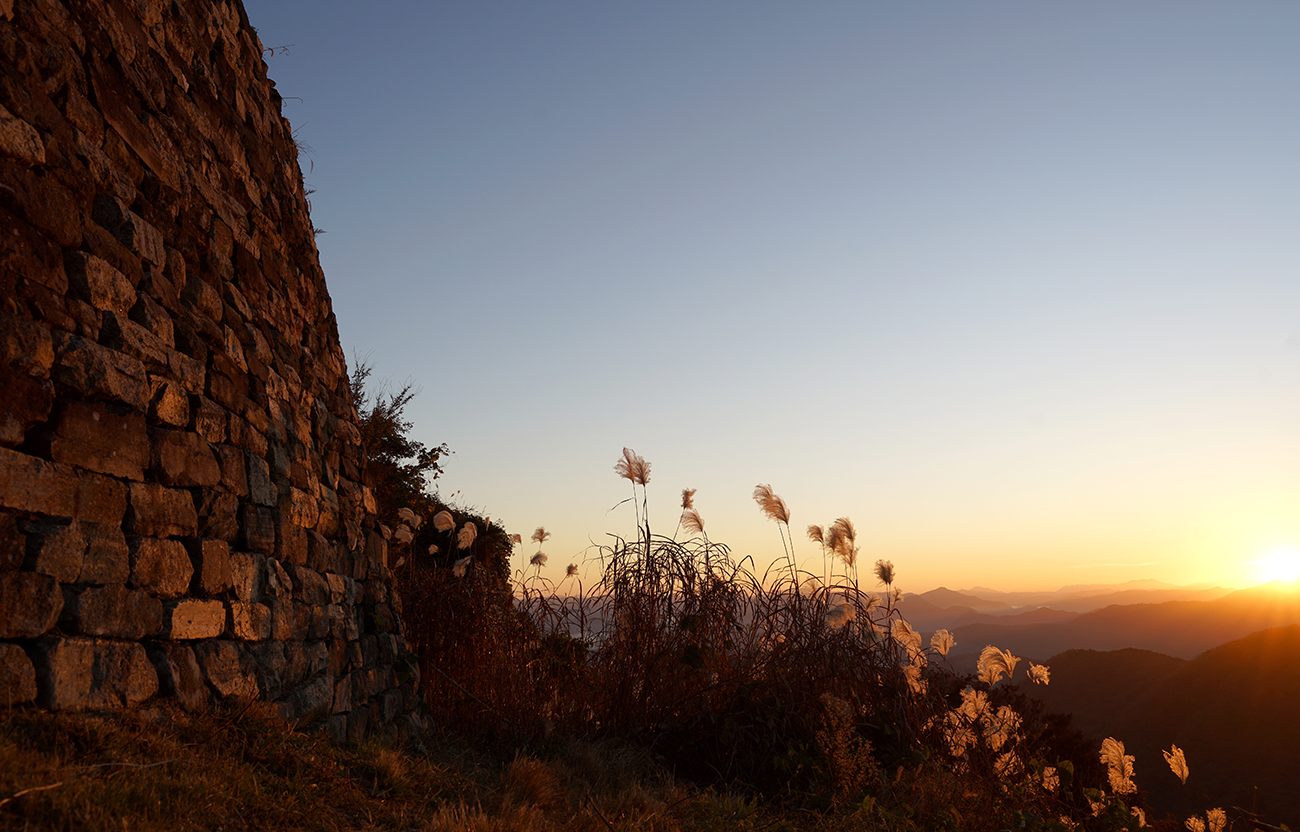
<point>1232,710</point>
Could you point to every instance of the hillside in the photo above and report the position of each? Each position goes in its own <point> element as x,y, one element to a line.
<point>1176,628</point>
<point>1231,709</point>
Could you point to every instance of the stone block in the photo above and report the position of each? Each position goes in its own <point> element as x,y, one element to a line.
<point>257,529</point>
<point>338,587</point>
<point>191,619</point>
<point>95,281</point>
<point>168,402</point>
<point>289,621</point>
<point>310,586</point>
<point>158,511</point>
<point>211,561</point>
<point>230,673</point>
<point>152,316</point>
<point>126,336</point>
<point>309,703</point>
<point>210,420</point>
<point>18,139</point>
<point>107,560</point>
<point>55,549</point>
<point>234,469</point>
<point>181,458</point>
<point>28,483</point>
<point>297,663</point>
<point>100,499</point>
<point>292,545</point>
<point>99,372</point>
<point>343,695</point>
<point>358,724</point>
<point>261,490</point>
<point>17,676</point>
<point>161,567</point>
<point>27,402</point>
<point>187,371</point>
<point>300,508</point>
<point>99,437</point>
<point>26,346</point>
<point>111,611</point>
<point>218,514</point>
<point>278,580</point>
<point>248,572</point>
<point>30,604</point>
<point>250,622</point>
<point>13,543</point>
<point>129,229</point>
<point>92,674</point>
<point>179,674</point>
<point>336,728</point>
<point>271,665</point>
<point>320,623</point>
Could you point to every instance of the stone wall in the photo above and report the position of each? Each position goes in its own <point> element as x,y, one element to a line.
<point>182,508</point>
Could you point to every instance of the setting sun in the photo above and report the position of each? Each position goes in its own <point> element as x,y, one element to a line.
<point>1279,565</point>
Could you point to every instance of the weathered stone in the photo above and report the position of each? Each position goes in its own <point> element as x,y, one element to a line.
<point>13,543</point>
<point>158,511</point>
<point>17,676</point>
<point>26,346</point>
<point>160,566</point>
<point>227,670</point>
<point>210,420</point>
<point>234,469</point>
<point>247,571</point>
<point>93,674</point>
<point>125,335</point>
<point>100,499</point>
<point>55,549</point>
<point>272,665</point>
<point>98,283</point>
<point>149,314</point>
<point>29,604</point>
<point>278,580</point>
<point>218,514</point>
<point>112,611</point>
<point>28,483</point>
<point>300,508</point>
<point>261,489</point>
<point>310,587</point>
<point>182,459</point>
<point>97,371</point>
<point>132,231</point>
<point>191,619</point>
<point>289,621</point>
<point>211,560</point>
<point>168,403</point>
<point>20,141</point>
<point>107,560</point>
<point>338,587</point>
<point>291,543</point>
<point>27,402</point>
<point>103,438</point>
<point>309,703</point>
<point>250,622</point>
<point>179,674</point>
<point>257,529</point>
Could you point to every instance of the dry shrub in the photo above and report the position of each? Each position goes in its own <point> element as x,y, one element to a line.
<point>529,781</point>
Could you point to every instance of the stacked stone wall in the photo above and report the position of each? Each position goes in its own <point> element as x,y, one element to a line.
<point>182,502</point>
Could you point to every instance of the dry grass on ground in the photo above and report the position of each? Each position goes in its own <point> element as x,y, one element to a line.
<point>159,769</point>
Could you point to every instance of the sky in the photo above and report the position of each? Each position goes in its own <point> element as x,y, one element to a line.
<point>1015,286</point>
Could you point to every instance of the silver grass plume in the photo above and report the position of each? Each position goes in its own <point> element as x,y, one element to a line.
<point>633,467</point>
<point>770,504</point>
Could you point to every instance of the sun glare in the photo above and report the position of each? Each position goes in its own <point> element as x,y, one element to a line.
<point>1279,565</point>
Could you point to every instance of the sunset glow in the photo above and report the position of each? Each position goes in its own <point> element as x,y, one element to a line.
<point>1279,565</point>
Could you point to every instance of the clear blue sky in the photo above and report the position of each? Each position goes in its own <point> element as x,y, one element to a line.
<point>1014,286</point>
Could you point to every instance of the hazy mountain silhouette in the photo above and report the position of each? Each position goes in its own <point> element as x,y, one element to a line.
<point>1176,628</point>
<point>1088,597</point>
<point>1232,710</point>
